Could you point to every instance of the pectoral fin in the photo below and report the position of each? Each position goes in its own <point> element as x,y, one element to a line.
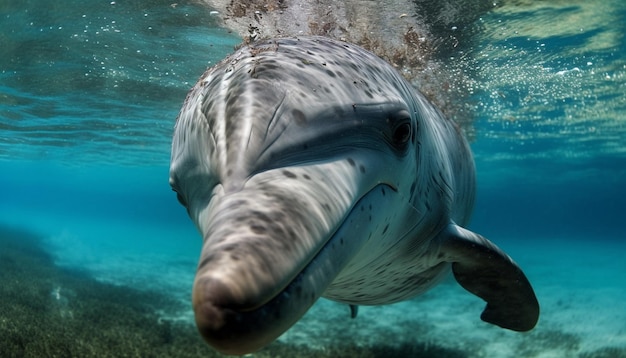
<point>354,311</point>
<point>486,271</point>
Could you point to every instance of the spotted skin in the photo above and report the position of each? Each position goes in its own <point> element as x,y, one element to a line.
<point>312,168</point>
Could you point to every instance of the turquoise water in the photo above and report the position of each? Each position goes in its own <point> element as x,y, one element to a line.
<point>89,92</point>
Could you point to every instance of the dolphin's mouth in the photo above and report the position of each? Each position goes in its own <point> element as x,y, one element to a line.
<point>239,326</point>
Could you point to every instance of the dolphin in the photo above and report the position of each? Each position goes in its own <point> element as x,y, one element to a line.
<point>312,169</point>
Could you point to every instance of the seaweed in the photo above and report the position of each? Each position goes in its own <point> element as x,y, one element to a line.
<point>537,342</point>
<point>417,350</point>
<point>605,352</point>
<point>51,311</point>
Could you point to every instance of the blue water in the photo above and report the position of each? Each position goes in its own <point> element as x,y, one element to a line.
<point>89,93</point>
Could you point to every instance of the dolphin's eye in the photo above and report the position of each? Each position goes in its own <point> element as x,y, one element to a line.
<point>402,134</point>
<point>180,198</point>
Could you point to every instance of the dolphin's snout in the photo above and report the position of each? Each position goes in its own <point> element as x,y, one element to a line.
<point>228,331</point>
<point>210,297</point>
<point>209,316</point>
<point>210,304</point>
<point>257,242</point>
<point>230,314</point>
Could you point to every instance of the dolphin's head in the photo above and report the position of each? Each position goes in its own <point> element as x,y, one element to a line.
<point>289,155</point>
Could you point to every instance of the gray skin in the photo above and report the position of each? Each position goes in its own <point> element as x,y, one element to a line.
<point>312,168</point>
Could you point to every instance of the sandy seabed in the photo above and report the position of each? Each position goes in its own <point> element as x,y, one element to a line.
<point>136,305</point>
